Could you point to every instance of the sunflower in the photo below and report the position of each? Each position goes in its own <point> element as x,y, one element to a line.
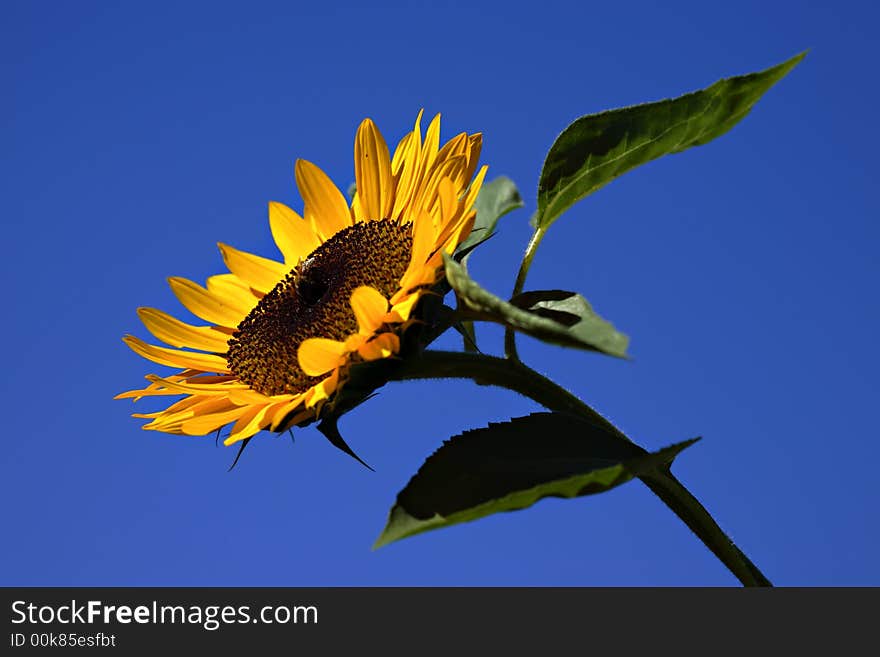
<point>280,335</point>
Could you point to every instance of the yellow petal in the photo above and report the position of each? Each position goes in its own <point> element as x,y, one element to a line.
<point>426,197</point>
<point>205,304</point>
<point>423,239</point>
<point>355,340</point>
<point>207,389</point>
<point>383,346</point>
<point>411,190</point>
<point>432,141</point>
<point>146,416</point>
<point>458,235</point>
<point>324,203</point>
<point>175,415</point>
<point>372,172</point>
<point>153,388</point>
<point>250,422</point>
<point>318,356</point>
<point>174,385</point>
<point>448,200</point>
<point>137,395</point>
<point>284,421</point>
<point>280,419</point>
<point>405,307</point>
<point>293,234</point>
<point>233,291</point>
<point>172,428</point>
<point>248,397</point>
<point>204,424</point>
<point>357,210</point>
<point>276,413</point>
<point>410,145</point>
<point>194,376</point>
<point>471,196</point>
<point>475,145</point>
<point>453,212</point>
<point>259,273</point>
<point>178,334</point>
<point>183,410</point>
<point>321,391</point>
<point>185,403</point>
<point>369,306</point>
<point>401,152</point>
<point>458,145</point>
<point>175,358</point>
<point>406,165</point>
<point>416,281</point>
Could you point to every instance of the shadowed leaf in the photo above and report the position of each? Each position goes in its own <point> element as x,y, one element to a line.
<point>496,199</point>
<point>512,465</point>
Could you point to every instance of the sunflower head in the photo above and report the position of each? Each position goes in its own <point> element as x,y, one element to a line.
<point>282,335</point>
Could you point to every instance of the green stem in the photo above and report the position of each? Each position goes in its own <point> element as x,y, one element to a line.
<point>513,375</point>
<point>528,256</point>
<point>688,508</point>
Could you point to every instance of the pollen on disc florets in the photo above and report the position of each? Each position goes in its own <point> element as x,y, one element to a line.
<point>313,301</point>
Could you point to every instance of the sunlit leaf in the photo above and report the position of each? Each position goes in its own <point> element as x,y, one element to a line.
<point>554,316</point>
<point>596,149</point>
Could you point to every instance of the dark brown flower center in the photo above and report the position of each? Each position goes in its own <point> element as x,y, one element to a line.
<point>313,301</point>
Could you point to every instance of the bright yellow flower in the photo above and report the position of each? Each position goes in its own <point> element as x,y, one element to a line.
<point>280,335</point>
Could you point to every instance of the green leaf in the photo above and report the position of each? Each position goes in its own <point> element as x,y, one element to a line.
<point>496,199</point>
<point>596,149</point>
<point>555,316</point>
<point>511,465</point>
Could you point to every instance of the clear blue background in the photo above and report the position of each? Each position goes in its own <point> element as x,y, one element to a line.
<point>135,136</point>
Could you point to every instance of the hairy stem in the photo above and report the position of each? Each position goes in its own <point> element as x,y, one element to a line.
<point>528,256</point>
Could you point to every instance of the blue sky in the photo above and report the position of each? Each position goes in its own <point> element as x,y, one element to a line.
<point>134,138</point>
